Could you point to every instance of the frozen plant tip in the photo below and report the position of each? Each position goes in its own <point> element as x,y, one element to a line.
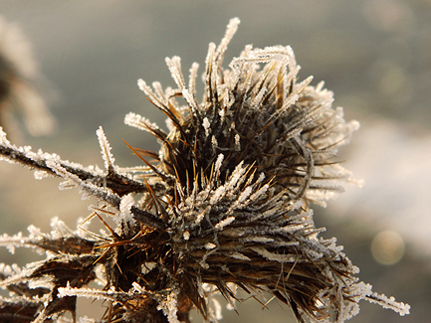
<point>224,205</point>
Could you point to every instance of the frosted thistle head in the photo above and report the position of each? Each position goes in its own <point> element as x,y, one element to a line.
<point>241,168</point>
<point>257,113</point>
<point>225,204</point>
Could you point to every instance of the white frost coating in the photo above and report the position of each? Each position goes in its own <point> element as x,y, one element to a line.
<point>87,189</point>
<point>126,204</point>
<point>230,31</point>
<point>40,174</point>
<point>291,228</point>
<point>59,228</point>
<point>209,60</point>
<point>190,99</point>
<point>239,256</point>
<point>233,232</point>
<point>3,139</point>
<point>200,217</point>
<point>192,78</point>
<point>361,289</point>
<point>314,255</point>
<point>147,90</point>
<point>225,222</point>
<point>222,114</point>
<point>218,163</point>
<point>206,125</point>
<point>261,178</point>
<point>137,121</point>
<point>256,195</point>
<point>210,246</point>
<point>219,192</point>
<point>10,270</point>
<point>268,213</point>
<point>234,179</point>
<point>14,278</point>
<point>35,232</point>
<point>169,307</point>
<point>105,147</point>
<point>88,292</point>
<point>260,239</point>
<point>44,282</point>
<point>245,194</point>
<point>67,185</point>
<point>186,235</point>
<point>18,240</point>
<point>390,303</point>
<point>139,288</point>
<point>273,256</point>
<point>16,268</point>
<point>257,100</point>
<point>174,65</point>
<point>237,143</point>
<point>8,242</point>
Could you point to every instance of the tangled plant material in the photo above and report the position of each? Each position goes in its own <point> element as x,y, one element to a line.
<point>224,206</point>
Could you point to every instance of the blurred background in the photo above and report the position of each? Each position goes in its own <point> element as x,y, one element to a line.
<point>374,54</point>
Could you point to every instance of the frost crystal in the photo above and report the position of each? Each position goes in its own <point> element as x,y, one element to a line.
<point>108,158</point>
<point>224,204</point>
<point>206,125</point>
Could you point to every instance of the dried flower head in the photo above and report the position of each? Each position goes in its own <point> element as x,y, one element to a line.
<point>224,206</point>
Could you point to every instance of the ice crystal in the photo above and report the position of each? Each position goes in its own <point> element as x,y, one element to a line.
<point>224,206</point>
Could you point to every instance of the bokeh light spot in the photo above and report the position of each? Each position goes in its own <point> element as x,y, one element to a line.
<point>387,247</point>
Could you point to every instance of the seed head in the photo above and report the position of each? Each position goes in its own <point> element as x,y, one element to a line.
<point>225,204</point>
